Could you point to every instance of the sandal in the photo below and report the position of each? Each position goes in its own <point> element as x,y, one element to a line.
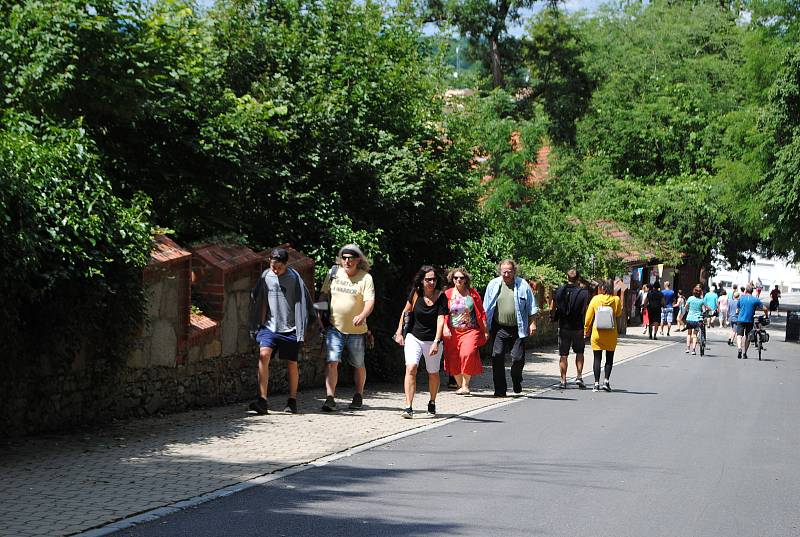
<point>462,391</point>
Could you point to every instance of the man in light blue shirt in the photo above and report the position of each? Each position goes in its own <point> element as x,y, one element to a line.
<point>748,304</point>
<point>711,300</point>
<point>510,307</point>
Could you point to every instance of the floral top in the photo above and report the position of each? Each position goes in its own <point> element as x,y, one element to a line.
<point>462,311</point>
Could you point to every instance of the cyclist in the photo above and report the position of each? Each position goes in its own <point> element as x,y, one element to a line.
<point>694,316</point>
<point>745,316</point>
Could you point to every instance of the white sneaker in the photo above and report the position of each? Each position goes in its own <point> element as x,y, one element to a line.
<point>607,386</point>
<point>596,387</point>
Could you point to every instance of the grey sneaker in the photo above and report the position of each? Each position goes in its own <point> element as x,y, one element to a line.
<point>329,405</point>
<point>562,385</point>
<point>596,387</point>
<point>408,413</point>
<point>357,403</point>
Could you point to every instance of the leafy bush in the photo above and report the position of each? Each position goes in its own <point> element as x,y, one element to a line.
<point>72,251</point>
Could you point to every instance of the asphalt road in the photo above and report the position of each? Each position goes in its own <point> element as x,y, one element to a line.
<point>684,446</point>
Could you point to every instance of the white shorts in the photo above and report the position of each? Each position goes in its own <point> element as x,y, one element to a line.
<point>415,349</point>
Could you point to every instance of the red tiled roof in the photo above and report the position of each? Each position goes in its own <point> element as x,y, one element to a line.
<point>226,257</point>
<point>166,251</point>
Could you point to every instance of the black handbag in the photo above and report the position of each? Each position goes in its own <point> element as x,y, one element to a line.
<point>408,317</point>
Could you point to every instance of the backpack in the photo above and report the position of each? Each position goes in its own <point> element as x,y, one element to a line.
<point>604,318</point>
<point>565,304</point>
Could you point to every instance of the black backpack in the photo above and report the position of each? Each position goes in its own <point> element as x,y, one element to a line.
<point>565,303</point>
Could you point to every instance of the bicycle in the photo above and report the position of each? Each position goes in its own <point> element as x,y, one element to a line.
<point>759,336</point>
<point>701,338</point>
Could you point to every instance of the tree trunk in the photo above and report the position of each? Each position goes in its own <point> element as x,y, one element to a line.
<point>497,69</point>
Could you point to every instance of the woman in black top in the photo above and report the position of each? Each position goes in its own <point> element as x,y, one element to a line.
<point>654,302</point>
<point>429,307</point>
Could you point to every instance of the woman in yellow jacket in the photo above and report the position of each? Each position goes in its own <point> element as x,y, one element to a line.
<point>603,339</point>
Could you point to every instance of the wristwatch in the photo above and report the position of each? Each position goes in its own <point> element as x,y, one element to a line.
<point>437,341</point>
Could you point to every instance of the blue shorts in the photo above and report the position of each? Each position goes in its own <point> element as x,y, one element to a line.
<point>666,315</point>
<point>285,343</point>
<point>693,325</point>
<point>336,342</point>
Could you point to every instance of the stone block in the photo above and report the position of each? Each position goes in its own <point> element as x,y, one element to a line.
<point>153,295</point>
<point>164,344</point>
<point>212,349</point>
<point>169,297</point>
<point>242,284</point>
<point>230,328</point>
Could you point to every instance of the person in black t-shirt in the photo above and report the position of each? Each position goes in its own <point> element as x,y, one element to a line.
<point>653,303</point>
<point>428,307</point>
<point>569,307</point>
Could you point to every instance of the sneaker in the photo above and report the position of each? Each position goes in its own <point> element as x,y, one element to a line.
<point>579,382</point>
<point>562,385</point>
<point>607,386</point>
<point>259,406</point>
<point>517,386</point>
<point>744,356</point>
<point>694,353</point>
<point>408,413</point>
<point>329,405</point>
<point>357,403</point>
<point>291,406</point>
<point>431,408</point>
<point>596,387</point>
<point>739,354</point>
<point>462,391</point>
<point>687,351</point>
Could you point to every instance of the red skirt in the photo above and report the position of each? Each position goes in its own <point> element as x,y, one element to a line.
<point>461,354</point>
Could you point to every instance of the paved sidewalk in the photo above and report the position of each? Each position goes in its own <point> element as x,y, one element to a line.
<point>65,484</point>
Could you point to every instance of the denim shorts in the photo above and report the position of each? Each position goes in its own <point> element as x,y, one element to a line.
<point>336,342</point>
<point>285,343</point>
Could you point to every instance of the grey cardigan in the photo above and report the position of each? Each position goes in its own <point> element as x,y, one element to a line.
<point>303,309</point>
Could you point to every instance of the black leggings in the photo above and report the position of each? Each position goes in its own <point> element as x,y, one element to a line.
<point>598,357</point>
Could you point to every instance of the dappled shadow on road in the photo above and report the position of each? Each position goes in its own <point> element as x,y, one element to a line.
<point>336,500</point>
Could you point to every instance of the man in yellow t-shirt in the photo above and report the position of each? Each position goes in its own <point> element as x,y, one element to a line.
<point>352,299</point>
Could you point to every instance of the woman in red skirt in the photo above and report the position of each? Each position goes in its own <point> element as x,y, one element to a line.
<point>465,330</point>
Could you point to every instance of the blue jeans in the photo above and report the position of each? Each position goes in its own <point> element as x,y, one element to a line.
<point>336,343</point>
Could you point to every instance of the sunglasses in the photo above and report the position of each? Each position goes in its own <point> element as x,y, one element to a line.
<point>348,258</point>
<point>459,277</point>
<point>431,280</point>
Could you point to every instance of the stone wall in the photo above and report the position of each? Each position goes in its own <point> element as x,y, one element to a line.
<point>179,360</point>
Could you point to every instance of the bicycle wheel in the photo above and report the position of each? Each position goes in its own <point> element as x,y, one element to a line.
<point>702,342</point>
<point>758,344</point>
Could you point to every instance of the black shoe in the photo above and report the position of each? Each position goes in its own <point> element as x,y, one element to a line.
<point>291,406</point>
<point>431,408</point>
<point>744,356</point>
<point>329,405</point>
<point>739,354</point>
<point>358,401</point>
<point>562,385</point>
<point>259,406</point>
<point>580,383</point>
<point>503,394</point>
<point>517,386</point>
<point>451,382</point>
<point>607,386</point>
